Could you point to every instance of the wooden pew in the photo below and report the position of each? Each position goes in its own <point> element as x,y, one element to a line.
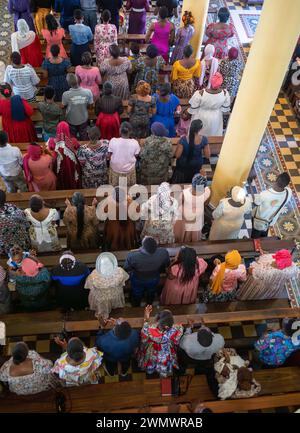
<point>215,144</point>
<point>141,393</point>
<point>51,322</point>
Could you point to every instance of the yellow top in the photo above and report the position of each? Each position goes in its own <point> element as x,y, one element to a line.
<point>179,72</point>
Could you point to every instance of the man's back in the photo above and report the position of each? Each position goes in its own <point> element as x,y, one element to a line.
<point>77,101</point>
<point>145,265</point>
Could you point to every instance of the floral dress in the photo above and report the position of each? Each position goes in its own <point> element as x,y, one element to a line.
<point>40,380</point>
<point>274,348</point>
<point>106,293</point>
<point>219,38</point>
<point>105,35</point>
<point>158,349</point>
<point>147,73</point>
<point>43,234</point>
<point>140,116</point>
<point>13,229</point>
<point>117,75</point>
<point>93,161</point>
<point>231,71</point>
<point>85,373</point>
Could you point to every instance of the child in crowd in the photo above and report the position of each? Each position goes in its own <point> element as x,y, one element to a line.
<point>183,125</point>
<point>16,256</point>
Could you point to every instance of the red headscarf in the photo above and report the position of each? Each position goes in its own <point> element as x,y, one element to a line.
<point>34,152</point>
<point>63,134</point>
<point>233,53</point>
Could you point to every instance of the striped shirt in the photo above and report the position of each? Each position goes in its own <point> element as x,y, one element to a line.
<point>23,81</point>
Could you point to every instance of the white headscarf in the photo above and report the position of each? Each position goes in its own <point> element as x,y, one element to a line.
<point>238,194</point>
<point>106,264</point>
<point>23,37</point>
<point>161,205</point>
<point>209,52</point>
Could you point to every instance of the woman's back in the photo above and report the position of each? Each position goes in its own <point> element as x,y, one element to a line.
<point>105,34</point>
<point>212,101</point>
<point>56,69</point>
<point>196,158</point>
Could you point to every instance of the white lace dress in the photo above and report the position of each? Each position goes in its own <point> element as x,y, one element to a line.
<point>43,234</point>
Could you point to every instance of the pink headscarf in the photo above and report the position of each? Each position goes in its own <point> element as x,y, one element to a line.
<point>31,267</point>
<point>283,259</point>
<point>216,80</point>
<point>34,152</point>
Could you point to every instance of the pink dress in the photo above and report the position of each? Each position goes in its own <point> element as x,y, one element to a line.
<point>231,278</point>
<point>89,79</point>
<point>43,178</point>
<point>161,38</point>
<point>175,293</point>
<point>54,39</point>
<point>219,38</point>
<point>105,35</point>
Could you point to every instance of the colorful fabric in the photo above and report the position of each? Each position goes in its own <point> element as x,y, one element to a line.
<point>140,116</point>
<point>274,348</point>
<point>231,71</point>
<point>93,161</point>
<point>158,349</point>
<point>182,39</point>
<point>117,76</point>
<point>155,159</point>
<point>105,35</point>
<point>219,38</point>
<point>145,72</point>
<point>13,229</point>
<point>232,261</point>
<point>85,373</point>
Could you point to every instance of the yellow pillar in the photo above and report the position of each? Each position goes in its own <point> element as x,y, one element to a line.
<point>199,10</point>
<point>274,41</point>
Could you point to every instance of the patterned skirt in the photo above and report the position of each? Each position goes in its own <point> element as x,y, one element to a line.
<point>184,89</point>
<point>114,177</point>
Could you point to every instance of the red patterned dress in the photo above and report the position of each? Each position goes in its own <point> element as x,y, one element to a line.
<point>219,38</point>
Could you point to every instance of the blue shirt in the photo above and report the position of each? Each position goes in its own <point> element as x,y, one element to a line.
<point>115,349</point>
<point>275,347</point>
<point>80,34</point>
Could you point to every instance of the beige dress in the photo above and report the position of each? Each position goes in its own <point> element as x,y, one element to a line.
<point>266,281</point>
<point>189,227</point>
<point>43,234</point>
<point>106,293</point>
<point>228,220</point>
<point>89,237</point>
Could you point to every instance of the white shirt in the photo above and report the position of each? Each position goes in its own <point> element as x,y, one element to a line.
<point>23,80</point>
<point>269,201</point>
<point>10,161</point>
<point>124,152</point>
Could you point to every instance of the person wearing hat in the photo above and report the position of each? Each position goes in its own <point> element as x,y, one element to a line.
<point>231,69</point>
<point>119,345</point>
<point>69,279</point>
<point>208,105</point>
<point>78,365</point>
<point>4,293</point>
<point>156,156</point>
<point>32,284</point>
<point>229,215</point>
<point>106,284</point>
<point>193,199</point>
<point>226,277</point>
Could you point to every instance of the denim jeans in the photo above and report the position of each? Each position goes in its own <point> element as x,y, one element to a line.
<point>15,183</point>
<point>139,287</point>
<point>90,19</point>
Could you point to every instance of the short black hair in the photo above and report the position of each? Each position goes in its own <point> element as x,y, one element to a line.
<point>125,128</point>
<point>122,330</point>
<point>20,353</point>
<point>283,179</point>
<point>106,16</point>
<point>78,14</point>
<point>75,349</point>
<point>86,58</point>
<point>114,51</point>
<point>55,50</point>
<point>163,12</point>
<point>149,244</point>
<point>107,88</point>
<point>5,90</point>
<point>165,319</point>
<point>15,57</point>
<point>165,89</point>
<point>152,51</point>
<point>188,51</point>
<point>49,92</point>
<point>3,138</point>
<point>2,197</point>
<point>36,203</point>
<point>135,48</point>
<point>204,337</point>
<point>223,15</point>
<point>287,326</point>
<point>51,22</point>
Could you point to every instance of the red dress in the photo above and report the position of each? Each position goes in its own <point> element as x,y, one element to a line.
<point>219,39</point>
<point>109,125</point>
<point>32,54</point>
<point>18,131</point>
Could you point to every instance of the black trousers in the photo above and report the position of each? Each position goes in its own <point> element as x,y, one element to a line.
<point>201,367</point>
<point>255,234</point>
<point>112,367</point>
